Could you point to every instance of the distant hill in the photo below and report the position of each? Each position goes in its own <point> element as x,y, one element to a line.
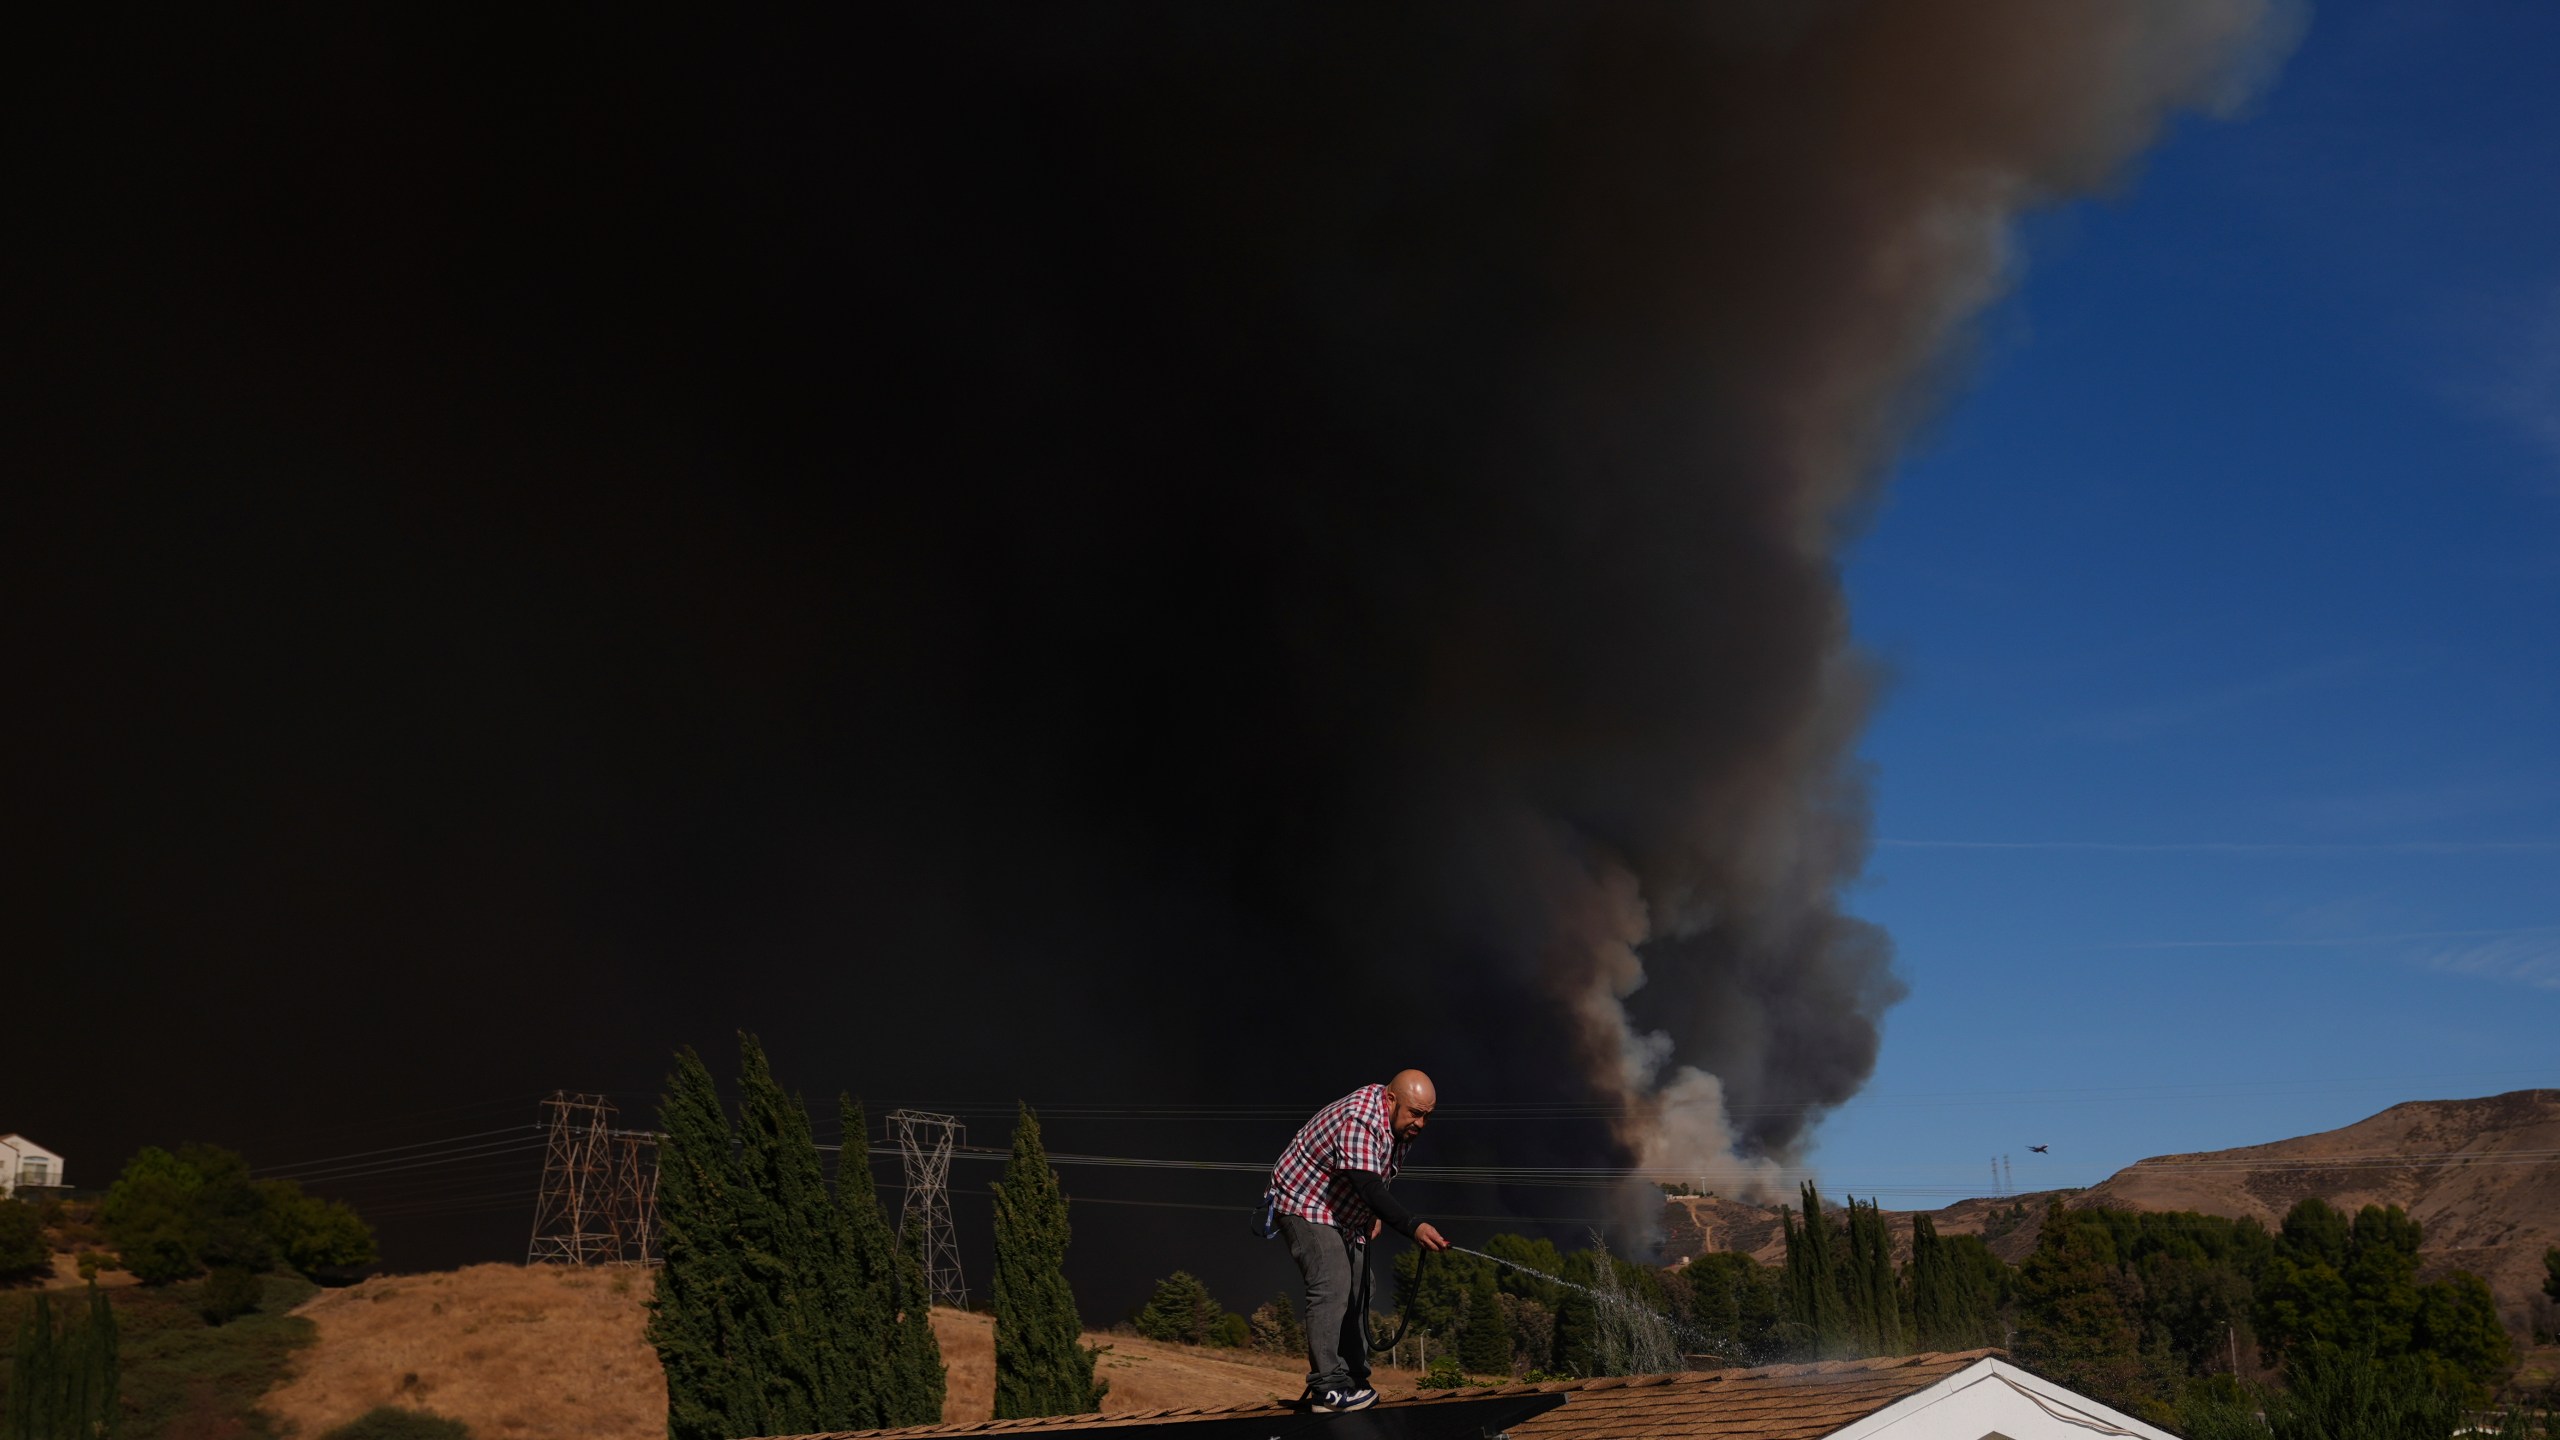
<point>2482,1176</point>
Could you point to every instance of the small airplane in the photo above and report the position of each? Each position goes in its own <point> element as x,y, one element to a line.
<point>2040,1149</point>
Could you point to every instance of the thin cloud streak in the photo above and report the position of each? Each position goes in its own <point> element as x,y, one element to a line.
<point>2518,959</point>
<point>2334,942</point>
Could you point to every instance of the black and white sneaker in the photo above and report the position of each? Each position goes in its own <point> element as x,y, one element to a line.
<point>1334,1402</point>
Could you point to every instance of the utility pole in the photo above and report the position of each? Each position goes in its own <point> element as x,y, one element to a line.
<point>925,1142</point>
<point>573,1212</point>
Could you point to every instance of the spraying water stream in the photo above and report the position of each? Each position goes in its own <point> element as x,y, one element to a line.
<point>1646,1340</point>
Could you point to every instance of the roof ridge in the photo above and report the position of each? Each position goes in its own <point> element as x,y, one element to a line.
<point>1879,1365</point>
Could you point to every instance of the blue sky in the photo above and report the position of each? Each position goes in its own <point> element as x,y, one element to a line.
<point>2218,783</point>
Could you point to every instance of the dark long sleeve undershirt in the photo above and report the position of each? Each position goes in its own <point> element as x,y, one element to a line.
<point>1373,1193</point>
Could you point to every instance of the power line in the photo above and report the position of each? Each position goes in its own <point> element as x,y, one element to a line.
<point>294,1170</point>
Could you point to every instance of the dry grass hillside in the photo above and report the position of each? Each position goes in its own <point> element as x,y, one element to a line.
<point>512,1351</point>
<point>2482,1176</point>
<point>543,1351</point>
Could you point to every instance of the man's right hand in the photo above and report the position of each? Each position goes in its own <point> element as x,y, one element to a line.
<point>1428,1238</point>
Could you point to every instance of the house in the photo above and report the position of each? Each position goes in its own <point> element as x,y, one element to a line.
<point>23,1162</point>
<point>1972,1395</point>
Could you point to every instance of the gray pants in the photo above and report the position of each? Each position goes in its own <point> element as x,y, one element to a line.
<point>1336,1267</point>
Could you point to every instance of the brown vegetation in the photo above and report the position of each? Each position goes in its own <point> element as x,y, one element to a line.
<point>510,1350</point>
<point>517,1351</point>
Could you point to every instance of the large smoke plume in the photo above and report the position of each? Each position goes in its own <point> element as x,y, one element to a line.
<point>1171,551</point>
<point>1434,433</point>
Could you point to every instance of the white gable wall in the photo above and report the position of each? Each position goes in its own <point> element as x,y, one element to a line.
<point>1994,1400</point>
<point>23,1161</point>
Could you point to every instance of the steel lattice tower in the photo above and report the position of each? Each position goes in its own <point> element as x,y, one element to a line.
<point>635,1197</point>
<point>925,1142</point>
<point>574,1220</point>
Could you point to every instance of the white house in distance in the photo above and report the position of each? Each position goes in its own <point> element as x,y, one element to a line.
<point>26,1164</point>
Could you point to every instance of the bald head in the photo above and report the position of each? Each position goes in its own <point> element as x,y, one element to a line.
<point>1412,1098</point>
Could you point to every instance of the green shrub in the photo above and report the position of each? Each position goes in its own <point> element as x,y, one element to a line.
<point>150,1215</point>
<point>23,1251</point>
<point>390,1422</point>
<point>1445,1373</point>
<point>228,1294</point>
<point>1181,1310</point>
<point>320,1238</point>
<point>1230,1331</point>
<point>2329,1395</point>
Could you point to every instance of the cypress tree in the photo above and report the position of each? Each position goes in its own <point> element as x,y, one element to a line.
<point>701,1319</point>
<point>1043,1366</point>
<point>821,1351</point>
<point>106,1365</point>
<point>915,1362</point>
<point>864,1277</point>
<point>1812,1282</point>
<point>1577,1345</point>
<point>1485,1345</point>
<point>1872,1297</point>
<point>31,1378</point>
<point>1933,1301</point>
<point>781,1309</point>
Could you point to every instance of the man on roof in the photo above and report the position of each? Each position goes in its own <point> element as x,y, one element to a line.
<point>1329,1193</point>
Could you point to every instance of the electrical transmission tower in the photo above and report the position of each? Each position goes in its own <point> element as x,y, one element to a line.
<point>573,1213</point>
<point>925,1142</point>
<point>1995,1177</point>
<point>635,1197</point>
<point>598,1204</point>
<point>2008,1180</point>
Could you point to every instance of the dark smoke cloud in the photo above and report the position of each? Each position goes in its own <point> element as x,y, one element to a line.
<point>1439,429</point>
<point>1197,552</point>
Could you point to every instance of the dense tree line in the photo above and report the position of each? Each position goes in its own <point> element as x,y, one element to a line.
<point>783,1307</point>
<point>1842,1293</point>
<point>2150,1312</point>
<point>2147,1311</point>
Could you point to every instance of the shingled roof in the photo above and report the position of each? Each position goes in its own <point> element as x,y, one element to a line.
<point>1770,1402</point>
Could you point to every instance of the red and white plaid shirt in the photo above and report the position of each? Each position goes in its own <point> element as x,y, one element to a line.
<point>1356,1132</point>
